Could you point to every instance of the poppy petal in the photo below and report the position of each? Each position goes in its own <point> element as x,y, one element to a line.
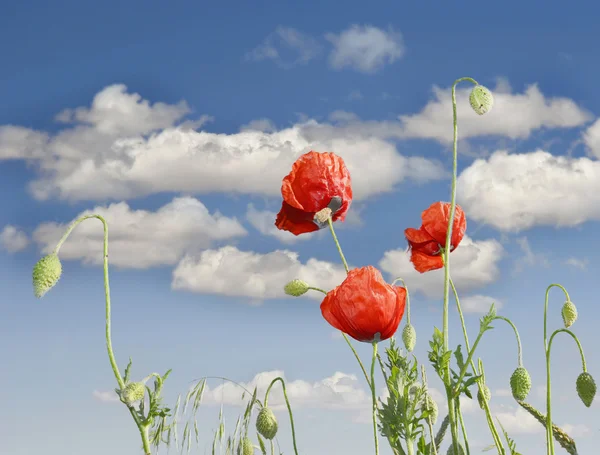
<point>426,262</point>
<point>435,222</point>
<point>295,221</point>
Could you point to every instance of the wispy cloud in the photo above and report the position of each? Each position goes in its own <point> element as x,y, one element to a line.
<point>12,239</point>
<point>287,47</point>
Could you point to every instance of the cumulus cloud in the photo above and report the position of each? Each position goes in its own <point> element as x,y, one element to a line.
<point>287,47</point>
<point>514,192</point>
<point>12,239</point>
<point>229,271</point>
<point>518,421</point>
<point>106,396</point>
<point>474,265</point>
<point>479,303</point>
<point>140,238</point>
<point>513,115</point>
<point>365,48</point>
<point>591,138</point>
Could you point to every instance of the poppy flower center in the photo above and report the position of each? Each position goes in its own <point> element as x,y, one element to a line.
<point>334,205</point>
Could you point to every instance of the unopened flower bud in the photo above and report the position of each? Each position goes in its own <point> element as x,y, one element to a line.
<point>409,337</point>
<point>247,446</point>
<point>586,388</point>
<point>133,392</point>
<point>296,288</point>
<point>461,450</point>
<point>430,405</point>
<point>266,423</point>
<point>481,99</point>
<point>46,274</point>
<point>569,313</point>
<point>484,397</point>
<point>520,384</point>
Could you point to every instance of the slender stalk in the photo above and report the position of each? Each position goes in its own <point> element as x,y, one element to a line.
<point>374,398</point>
<point>462,426</point>
<point>288,407</point>
<point>143,428</point>
<point>446,249</point>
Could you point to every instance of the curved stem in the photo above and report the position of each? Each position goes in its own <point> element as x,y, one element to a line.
<point>546,309</point>
<point>317,289</point>
<point>519,349</point>
<point>288,407</point>
<point>447,248</point>
<point>111,356</point>
<point>548,383</point>
<point>374,398</point>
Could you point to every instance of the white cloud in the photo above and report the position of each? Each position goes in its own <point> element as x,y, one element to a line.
<point>502,393</point>
<point>514,192</point>
<point>577,263</point>
<point>577,430</point>
<point>229,271</point>
<point>287,47</point>
<point>264,125</point>
<point>529,258</point>
<point>518,421</point>
<point>479,303</point>
<point>355,95</point>
<point>139,238</point>
<point>591,138</point>
<point>107,397</point>
<point>365,48</point>
<point>13,239</point>
<point>513,115</point>
<point>474,265</point>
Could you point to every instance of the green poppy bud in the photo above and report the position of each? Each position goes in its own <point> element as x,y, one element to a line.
<point>266,423</point>
<point>569,313</point>
<point>520,384</point>
<point>484,397</point>
<point>586,388</point>
<point>481,99</point>
<point>133,392</point>
<point>296,288</point>
<point>430,404</point>
<point>461,450</point>
<point>46,274</point>
<point>247,446</point>
<point>409,337</point>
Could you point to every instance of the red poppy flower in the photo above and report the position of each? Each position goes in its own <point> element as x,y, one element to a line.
<point>317,181</point>
<point>426,242</point>
<point>364,306</point>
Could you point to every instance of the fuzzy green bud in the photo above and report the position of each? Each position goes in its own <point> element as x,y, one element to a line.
<point>520,384</point>
<point>266,423</point>
<point>484,397</point>
<point>481,99</point>
<point>569,313</point>
<point>46,274</point>
<point>586,388</point>
<point>461,449</point>
<point>296,288</point>
<point>133,392</point>
<point>409,337</point>
<point>430,404</point>
<point>247,446</point>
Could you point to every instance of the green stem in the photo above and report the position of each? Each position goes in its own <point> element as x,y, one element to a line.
<point>288,406</point>
<point>549,439</point>
<point>111,356</point>
<point>447,248</point>
<point>373,397</point>
<point>549,429</point>
<point>317,289</point>
<point>480,384</point>
<point>429,423</point>
<point>462,426</point>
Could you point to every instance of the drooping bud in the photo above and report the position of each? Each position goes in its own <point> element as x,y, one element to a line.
<point>520,384</point>
<point>46,274</point>
<point>461,449</point>
<point>266,423</point>
<point>586,388</point>
<point>247,446</point>
<point>409,337</point>
<point>430,404</point>
<point>484,397</point>
<point>481,99</point>
<point>296,288</point>
<point>569,313</point>
<point>133,392</point>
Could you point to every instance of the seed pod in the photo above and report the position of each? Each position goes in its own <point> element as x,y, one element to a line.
<point>569,313</point>
<point>586,388</point>
<point>296,288</point>
<point>430,404</point>
<point>247,446</point>
<point>520,384</point>
<point>266,423</point>
<point>481,99</point>
<point>133,392</point>
<point>46,274</point>
<point>409,337</point>
<point>486,396</point>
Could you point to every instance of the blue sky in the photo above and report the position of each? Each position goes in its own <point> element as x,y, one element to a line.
<point>177,123</point>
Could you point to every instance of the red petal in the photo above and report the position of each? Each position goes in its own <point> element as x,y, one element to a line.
<point>314,180</point>
<point>420,240</point>
<point>435,222</point>
<point>295,221</point>
<point>425,262</point>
